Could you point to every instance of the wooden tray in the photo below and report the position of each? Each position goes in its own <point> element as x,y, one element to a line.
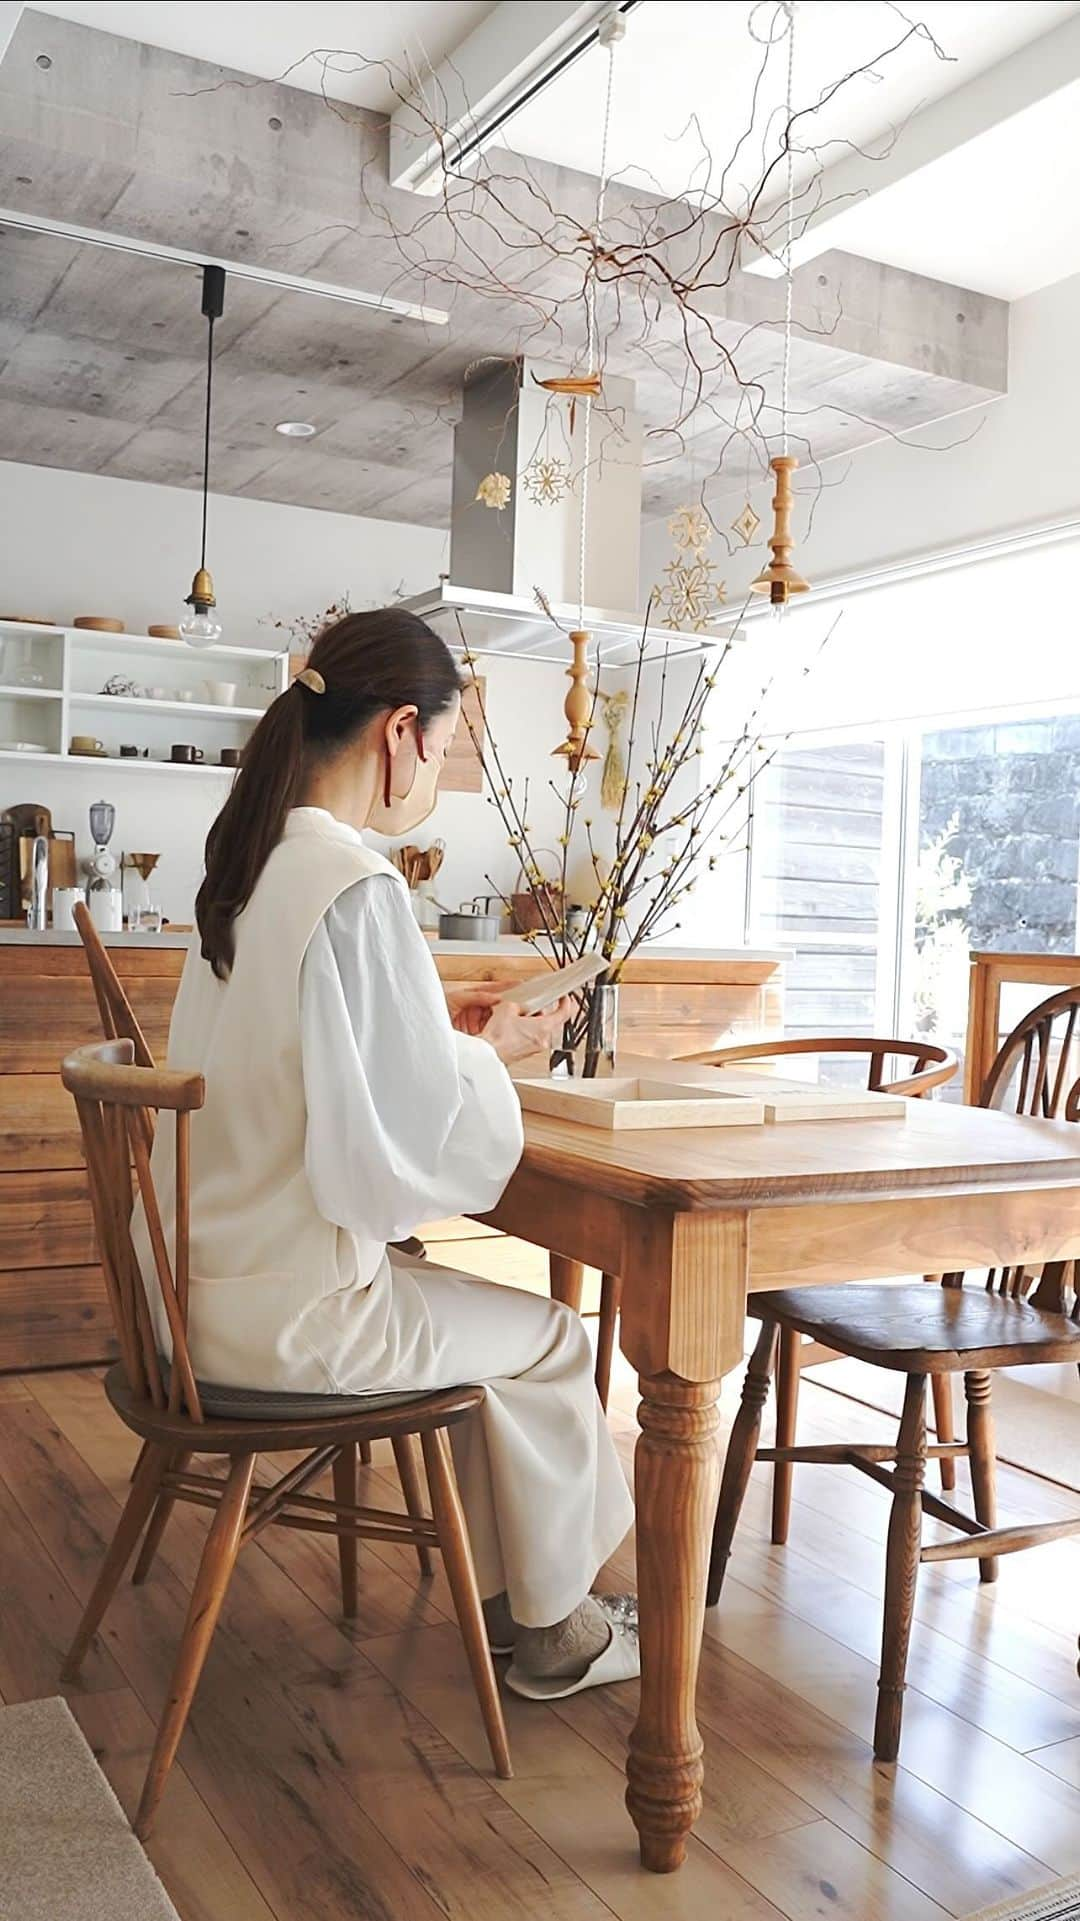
<point>790,1101</point>
<point>622,1102</point>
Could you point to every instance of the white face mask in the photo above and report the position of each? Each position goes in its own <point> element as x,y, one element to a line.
<point>403,812</point>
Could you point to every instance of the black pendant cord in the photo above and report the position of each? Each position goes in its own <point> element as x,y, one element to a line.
<point>206,430</point>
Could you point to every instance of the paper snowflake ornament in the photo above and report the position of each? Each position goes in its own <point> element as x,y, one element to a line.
<point>746,524</point>
<point>690,528</point>
<point>691,596</point>
<point>494,491</point>
<point>545,481</point>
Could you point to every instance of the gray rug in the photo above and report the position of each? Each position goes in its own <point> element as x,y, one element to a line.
<point>1058,1903</point>
<point>66,1850</point>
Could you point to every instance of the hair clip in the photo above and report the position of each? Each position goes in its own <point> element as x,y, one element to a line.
<point>311,678</point>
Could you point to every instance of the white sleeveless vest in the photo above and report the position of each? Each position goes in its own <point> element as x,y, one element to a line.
<point>262,1256</point>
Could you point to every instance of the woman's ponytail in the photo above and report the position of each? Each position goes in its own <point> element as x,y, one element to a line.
<point>363,665</point>
<point>250,824</point>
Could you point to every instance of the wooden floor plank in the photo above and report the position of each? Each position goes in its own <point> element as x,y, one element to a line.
<point>335,1769</point>
<point>916,1829</point>
<point>1062,1760</point>
<point>38,1614</point>
<point>817,1872</point>
<point>565,1791</point>
<point>1038,1814</point>
<point>203,1874</point>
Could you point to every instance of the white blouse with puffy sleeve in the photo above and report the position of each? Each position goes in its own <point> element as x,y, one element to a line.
<point>408,1120</point>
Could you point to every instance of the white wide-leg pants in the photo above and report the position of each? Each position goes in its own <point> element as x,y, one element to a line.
<point>544,1494</point>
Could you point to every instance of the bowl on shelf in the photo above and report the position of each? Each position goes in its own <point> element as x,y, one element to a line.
<point>22,747</point>
<point>163,632</point>
<point>221,692</point>
<point>26,620</point>
<point>98,623</point>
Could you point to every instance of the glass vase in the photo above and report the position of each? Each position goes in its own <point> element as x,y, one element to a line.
<point>592,1055</point>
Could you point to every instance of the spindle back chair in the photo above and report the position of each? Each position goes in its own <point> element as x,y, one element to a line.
<point>910,1067</point>
<point>178,1416</point>
<point>1024,1316</point>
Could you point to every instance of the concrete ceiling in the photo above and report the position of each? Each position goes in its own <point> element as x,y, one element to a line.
<point>404,33</point>
<point>101,358</point>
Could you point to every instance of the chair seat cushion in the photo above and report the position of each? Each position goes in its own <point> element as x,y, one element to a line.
<point>254,1404</point>
<point>238,1419</point>
<point>920,1327</point>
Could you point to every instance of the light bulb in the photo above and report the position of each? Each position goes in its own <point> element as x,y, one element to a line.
<point>200,628</point>
<point>576,789</point>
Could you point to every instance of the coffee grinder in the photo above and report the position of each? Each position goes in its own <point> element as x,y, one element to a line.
<point>103,896</point>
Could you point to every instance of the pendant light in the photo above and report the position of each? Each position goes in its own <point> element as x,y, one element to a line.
<point>202,627</point>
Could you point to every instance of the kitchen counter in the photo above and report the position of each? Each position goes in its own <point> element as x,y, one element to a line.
<point>653,952</point>
<point>18,936</point>
<point>53,1313</point>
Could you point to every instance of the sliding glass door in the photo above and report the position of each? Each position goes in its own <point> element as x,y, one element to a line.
<point>825,855</point>
<point>882,861</point>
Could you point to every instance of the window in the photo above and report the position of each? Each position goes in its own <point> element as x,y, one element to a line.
<point>823,864</point>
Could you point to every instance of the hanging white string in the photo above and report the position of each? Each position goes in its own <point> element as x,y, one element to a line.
<point>789,9</point>
<point>611,31</point>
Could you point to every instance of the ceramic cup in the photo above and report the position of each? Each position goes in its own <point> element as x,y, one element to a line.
<point>64,902</point>
<point>185,755</point>
<point>86,744</point>
<point>128,751</point>
<point>221,692</point>
<point>230,757</point>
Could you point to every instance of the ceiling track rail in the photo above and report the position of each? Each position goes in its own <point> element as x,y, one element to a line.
<point>464,149</point>
<point>236,269</point>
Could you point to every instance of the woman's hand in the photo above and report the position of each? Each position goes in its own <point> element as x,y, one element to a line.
<point>515,1035</point>
<point>471,1007</point>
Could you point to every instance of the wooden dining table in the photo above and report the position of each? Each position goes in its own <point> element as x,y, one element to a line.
<point>691,1219</point>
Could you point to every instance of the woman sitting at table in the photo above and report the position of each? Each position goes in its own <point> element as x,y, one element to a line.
<point>346,1102</point>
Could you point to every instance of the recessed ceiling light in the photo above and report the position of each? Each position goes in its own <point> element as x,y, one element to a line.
<point>295,429</point>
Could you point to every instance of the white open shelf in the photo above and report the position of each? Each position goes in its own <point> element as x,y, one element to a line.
<point>214,710</point>
<point>78,661</point>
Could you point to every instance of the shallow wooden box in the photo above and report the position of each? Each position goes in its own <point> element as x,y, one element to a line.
<point>633,1102</point>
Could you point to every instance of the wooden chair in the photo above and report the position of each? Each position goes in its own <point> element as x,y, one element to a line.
<point>178,1417</point>
<point>118,1018</point>
<point>1019,1318</point>
<point>930,1066</point>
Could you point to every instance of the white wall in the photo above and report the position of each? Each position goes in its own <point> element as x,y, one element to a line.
<point>81,543</point>
<point>893,501</point>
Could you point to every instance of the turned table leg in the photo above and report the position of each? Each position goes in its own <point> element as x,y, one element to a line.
<point>677,1480</point>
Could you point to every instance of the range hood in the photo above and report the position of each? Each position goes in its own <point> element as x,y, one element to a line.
<point>511,425</point>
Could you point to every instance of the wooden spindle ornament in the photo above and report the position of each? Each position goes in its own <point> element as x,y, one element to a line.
<point>779,579</point>
<point>578,707</point>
